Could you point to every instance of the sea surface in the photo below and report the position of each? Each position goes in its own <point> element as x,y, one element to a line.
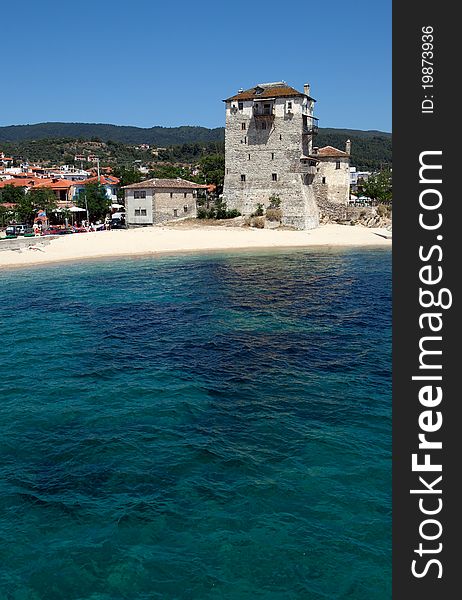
<point>197,427</point>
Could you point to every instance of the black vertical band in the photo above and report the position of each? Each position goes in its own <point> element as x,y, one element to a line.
<point>427,249</point>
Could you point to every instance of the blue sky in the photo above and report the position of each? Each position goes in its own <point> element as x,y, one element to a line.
<point>146,62</point>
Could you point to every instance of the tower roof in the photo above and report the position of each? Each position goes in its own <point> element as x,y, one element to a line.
<point>277,89</point>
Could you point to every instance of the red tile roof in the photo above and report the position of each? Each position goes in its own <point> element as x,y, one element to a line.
<point>20,182</point>
<point>330,151</point>
<point>55,184</point>
<point>279,89</point>
<point>103,179</point>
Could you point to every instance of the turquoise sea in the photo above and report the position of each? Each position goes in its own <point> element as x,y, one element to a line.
<point>197,427</point>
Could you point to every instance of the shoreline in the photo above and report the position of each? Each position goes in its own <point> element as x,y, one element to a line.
<point>157,241</point>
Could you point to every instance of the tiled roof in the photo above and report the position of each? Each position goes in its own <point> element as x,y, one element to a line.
<point>18,182</point>
<point>103,179</point>
<point>55,184</point>
<point>279,89</point>
<point>330,151</point>
<point>165,183</point>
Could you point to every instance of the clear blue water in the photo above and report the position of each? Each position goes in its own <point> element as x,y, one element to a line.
<point>197,427</point>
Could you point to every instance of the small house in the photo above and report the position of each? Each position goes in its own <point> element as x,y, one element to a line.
<point>156,200</point>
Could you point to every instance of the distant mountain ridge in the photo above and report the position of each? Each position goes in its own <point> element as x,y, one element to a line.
<point>159,136</point>
<point>136,135</point>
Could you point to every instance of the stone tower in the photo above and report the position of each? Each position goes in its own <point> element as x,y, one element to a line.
<point>268,147</point>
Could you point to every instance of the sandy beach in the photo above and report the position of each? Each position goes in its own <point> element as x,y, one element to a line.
<point>160,240</point>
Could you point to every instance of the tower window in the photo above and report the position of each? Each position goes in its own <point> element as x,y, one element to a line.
<point>171,194</point>
<point>242,177</point>
<point>280,136</point>
<point>324,180</point>
<point>175,212</point>
<point>227,171</point>
<point>337,165</point>
<point>139,194</point>
<point>289,105</point>
<point>185,208</point>
<point>263,125</point>
<point>240,105</point>
<point>274,176</point>
<point>242,125</point>
<point>272,155</point>
<point>249,156</point>
<point>185,195</point>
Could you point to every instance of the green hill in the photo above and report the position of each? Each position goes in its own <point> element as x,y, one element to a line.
<point>58,142</point>
<point>159,136</point>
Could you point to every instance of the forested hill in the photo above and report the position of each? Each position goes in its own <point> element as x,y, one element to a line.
<point>370,149</point>
<point>158,136</point>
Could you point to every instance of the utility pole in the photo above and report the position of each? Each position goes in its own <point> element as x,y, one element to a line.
<point>86,206</point>
<point>97,163</point>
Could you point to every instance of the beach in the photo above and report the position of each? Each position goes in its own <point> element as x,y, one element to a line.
<point>160,240</point>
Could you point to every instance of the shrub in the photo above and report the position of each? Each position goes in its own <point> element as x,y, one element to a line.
<point>202,213</point>
<point>219,211</point>
<point>259,212</point>
<point>232,214</point>
<point>274,214</point>
<point>384,210</point>
<point>274,202</point>
<point>258,222</point>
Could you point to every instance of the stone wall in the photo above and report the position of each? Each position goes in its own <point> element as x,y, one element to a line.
<point>160,205</point>
<point>173,204</point>
<point>332,182</point>
<point>368,216</point>
<point>266,151</point>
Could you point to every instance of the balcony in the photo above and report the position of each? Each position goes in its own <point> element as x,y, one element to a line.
<point>305,169</point>
<point>310,125</point>
<point>261,109</point>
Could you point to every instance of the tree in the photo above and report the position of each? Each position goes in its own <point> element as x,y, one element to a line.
<point>168,171</point>
<point>29,203</point>
<point>44,199</point>
<point>6,215</point>
<point>127,176</point>
<point>212,170</point>
<point>94,198</point>
<point>12,194</point>
<point>33,201</point>
<point>378,187</point>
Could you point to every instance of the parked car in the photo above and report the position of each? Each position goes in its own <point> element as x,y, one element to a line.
<point>16,229</point>
<point>118,221</point>
<point>51,231</point>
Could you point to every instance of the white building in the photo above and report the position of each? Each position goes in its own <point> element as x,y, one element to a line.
<point>356,176</point>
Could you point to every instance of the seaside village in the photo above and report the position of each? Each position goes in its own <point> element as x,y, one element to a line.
<point>275,177</point>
